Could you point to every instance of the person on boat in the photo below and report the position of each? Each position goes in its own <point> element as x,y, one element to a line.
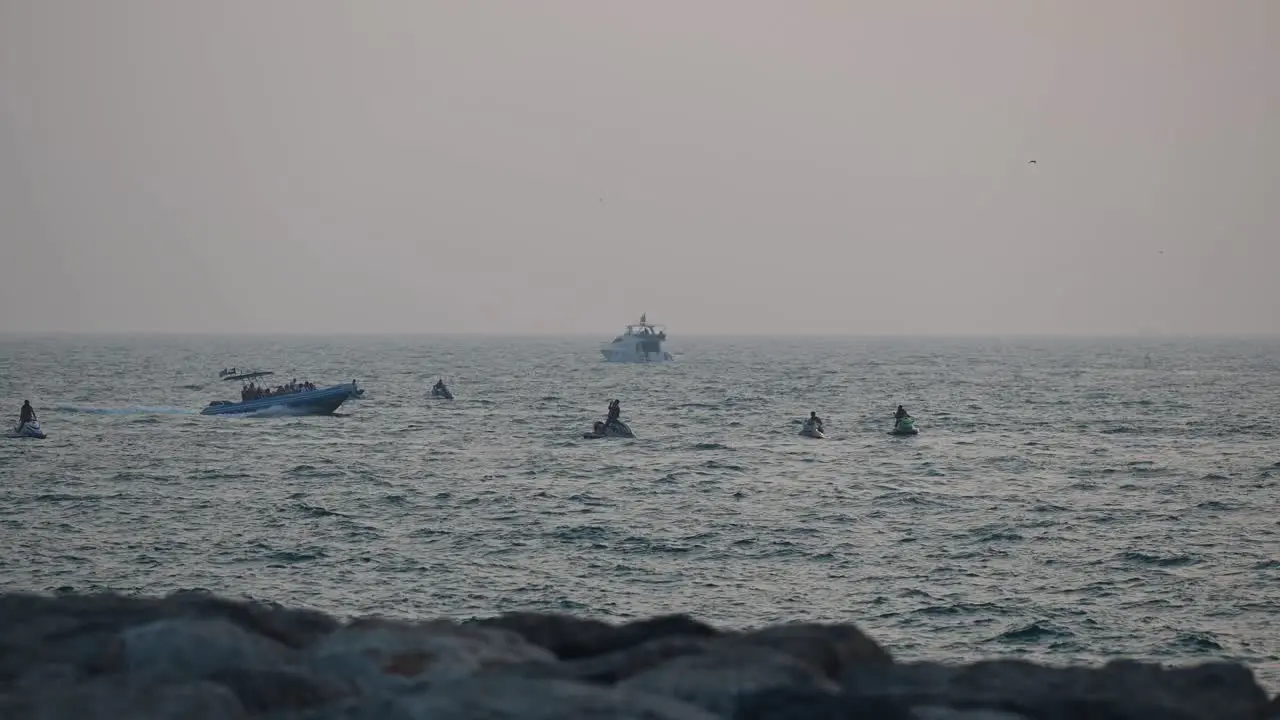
<point>615,412</point>
<point>814,420</point>
<point>28,413</point>
<point>901,413</point>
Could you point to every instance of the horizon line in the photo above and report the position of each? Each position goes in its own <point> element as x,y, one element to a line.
<point>1128,335</point>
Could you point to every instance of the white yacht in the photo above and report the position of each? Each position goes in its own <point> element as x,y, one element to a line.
<point>641,343</point>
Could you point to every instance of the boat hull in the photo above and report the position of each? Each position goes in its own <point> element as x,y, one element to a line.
<point>631,355</point>
<point>314,402</point>
<point>904,427</point>
<point>614,429</point>
<point>29,430</point>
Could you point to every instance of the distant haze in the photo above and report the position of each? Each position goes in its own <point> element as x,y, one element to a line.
<point>561,166</point>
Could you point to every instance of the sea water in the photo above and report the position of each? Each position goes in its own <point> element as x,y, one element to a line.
<point>1065,500</point>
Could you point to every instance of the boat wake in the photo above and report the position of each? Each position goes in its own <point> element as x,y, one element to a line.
<point>136,410</point>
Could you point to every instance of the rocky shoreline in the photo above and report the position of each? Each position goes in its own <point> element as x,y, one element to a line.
<point>195,656</point>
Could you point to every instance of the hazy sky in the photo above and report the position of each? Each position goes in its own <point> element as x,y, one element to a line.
<point>806,166</point>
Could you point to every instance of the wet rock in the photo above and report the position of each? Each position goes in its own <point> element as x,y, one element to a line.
<point>943,713</point>
<point>509,698</point>
<point>116,699</point>
<point>571,638</point>
<point>263,691</point>
<point>792,704</point>
<point>832,649</point>
<point>289,627</point>
<point>532,670</point>
<point>622,664</point>
<point>193,649</point>
<point>109,611</point>
<point>191,655</point>
<point>383,654</point>
<point>47,677</point>
<point>798,704</point>
<point>717,681</point>
<point>83,631</point>
<point>1123,690</point>
<point>34,632</point>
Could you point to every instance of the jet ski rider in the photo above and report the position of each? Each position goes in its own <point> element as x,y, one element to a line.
<point>901,413</point>
<point>615,411</point>
<point>814,420</point>
<point>28,413</point>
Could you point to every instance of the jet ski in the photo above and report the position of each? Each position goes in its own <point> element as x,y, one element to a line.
<point>28,430</point>
<point>811,429</point>
<point>904,426</point>
<point>615,428</point>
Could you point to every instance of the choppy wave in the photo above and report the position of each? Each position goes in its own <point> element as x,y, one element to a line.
<point>1036,632</point>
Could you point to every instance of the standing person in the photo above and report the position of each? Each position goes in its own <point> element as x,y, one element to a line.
<point>28,413</point>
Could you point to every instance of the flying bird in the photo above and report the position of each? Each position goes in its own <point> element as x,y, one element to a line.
<point>1031,162</point>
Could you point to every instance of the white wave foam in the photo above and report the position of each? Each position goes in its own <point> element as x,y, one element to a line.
<point>276,411</point>
<point>135,410</point>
